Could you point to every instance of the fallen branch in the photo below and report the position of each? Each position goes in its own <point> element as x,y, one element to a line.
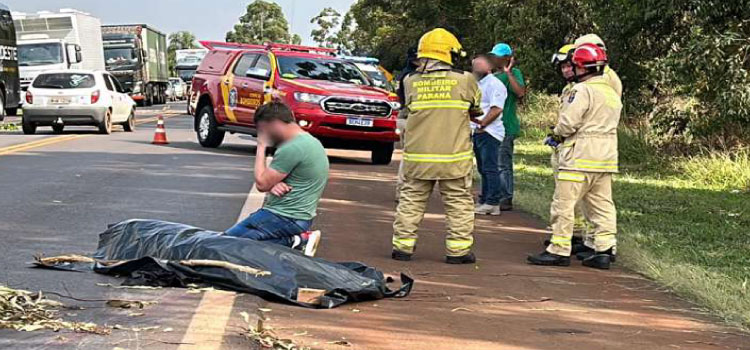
<point>226,265</point>
<point>60,259</point>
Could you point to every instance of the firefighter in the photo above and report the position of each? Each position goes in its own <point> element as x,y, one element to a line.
<point>587,131</point>
<point>583,242</point>
<point>609,74</point>
<point>438,152</point>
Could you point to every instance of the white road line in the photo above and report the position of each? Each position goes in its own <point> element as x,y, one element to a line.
<point>209,322</point>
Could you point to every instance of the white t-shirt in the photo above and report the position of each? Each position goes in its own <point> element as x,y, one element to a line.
<point>494,94</point>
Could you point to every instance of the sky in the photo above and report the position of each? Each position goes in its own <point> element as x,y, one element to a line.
<point>207,19</point>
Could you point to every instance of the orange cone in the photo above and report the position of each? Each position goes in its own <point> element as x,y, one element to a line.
<point>160,134</point>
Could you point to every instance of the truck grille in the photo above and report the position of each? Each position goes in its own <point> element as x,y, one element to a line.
<point>371,108</point>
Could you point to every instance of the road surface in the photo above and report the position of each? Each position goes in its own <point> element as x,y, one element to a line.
<point>59,192</point>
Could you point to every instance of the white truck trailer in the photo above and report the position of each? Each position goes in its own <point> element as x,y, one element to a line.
<point>68,39</point>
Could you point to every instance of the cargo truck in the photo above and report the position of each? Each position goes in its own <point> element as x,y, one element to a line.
<point>10,90</point>
<point>68,39</point>
<point>137,55</point>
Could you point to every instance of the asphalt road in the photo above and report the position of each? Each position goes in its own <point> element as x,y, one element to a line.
<point>56,199</point>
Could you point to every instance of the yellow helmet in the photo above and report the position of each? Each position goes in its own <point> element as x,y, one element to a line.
<point>563,54</point>
<point>591,39</point>
<point>439,44</point>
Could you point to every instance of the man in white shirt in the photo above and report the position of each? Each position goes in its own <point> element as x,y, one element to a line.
<point>488,135</point>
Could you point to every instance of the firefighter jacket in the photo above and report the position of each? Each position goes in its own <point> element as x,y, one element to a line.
<point>439,100</point>
<point>588,121</point>
<point>613,80</point>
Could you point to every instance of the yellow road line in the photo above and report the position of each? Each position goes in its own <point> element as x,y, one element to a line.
<point>206,330</point>
<point>38,143</point>
<point>209,322</point>
<point>56,139</point>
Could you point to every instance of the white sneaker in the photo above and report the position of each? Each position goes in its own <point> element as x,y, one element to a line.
<point>486,209</point>
<point>312,243</point>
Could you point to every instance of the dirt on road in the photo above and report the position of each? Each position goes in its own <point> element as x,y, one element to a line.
<point>498,303</point>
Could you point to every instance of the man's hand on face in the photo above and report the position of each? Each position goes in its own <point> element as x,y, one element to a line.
<point>281,189</point>
<point>509,67</point>
<point>263,139</point>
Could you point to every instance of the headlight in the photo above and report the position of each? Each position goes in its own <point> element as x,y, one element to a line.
<point>308,98</point>
<point>395,105</point>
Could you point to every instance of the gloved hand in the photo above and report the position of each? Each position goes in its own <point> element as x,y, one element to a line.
<point>550,141</point>
<point>553,140</point>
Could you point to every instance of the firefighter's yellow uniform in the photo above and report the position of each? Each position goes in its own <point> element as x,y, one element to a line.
<point>581,224</point>
<point>588,121</point>
<point>438,151</point>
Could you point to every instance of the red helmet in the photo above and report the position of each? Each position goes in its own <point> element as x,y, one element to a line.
<point>589,56</point>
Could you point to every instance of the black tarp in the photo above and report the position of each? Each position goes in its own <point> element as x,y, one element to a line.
<point>151,251</point>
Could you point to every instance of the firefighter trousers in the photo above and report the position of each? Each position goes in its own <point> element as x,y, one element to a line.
<point>459,213</point>
<point>582,226</point>
<point>594,190</point>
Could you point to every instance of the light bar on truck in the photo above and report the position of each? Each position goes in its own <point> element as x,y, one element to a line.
<point>218,45</point>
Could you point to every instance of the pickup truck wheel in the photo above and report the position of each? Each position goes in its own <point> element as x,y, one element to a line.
<point>58,128</point>
<point>29,128</point>
<point>207,128</point>
<point>129,125</point>
<point>106,126</point>
<point>382,154</point>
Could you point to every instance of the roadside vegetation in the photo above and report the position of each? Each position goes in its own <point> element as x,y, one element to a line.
<point>684,221</point>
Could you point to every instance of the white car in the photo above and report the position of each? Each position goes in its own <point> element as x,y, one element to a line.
<point>179,87</point>
<point>77,97</point>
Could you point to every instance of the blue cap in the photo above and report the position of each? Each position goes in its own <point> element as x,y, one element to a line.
<point>501,49</point>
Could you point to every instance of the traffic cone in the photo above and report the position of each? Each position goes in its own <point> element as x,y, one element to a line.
<point>160,134</point>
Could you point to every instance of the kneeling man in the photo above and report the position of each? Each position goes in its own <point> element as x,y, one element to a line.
<point>293,183</point>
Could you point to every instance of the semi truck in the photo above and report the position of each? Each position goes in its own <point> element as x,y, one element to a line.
<point>10,89</point>
<point>67,39</point>
<point>137,55</point>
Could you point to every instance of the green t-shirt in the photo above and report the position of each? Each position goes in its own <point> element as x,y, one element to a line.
<point>510,117</point>
<point>305,162</point>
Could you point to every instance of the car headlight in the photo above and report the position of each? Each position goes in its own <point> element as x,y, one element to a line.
<point>308,97</point>
<point>395,105</point>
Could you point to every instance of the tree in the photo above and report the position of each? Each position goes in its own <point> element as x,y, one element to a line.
<point>328,21</point>
<point>263,21</point>
<point>179,41</point>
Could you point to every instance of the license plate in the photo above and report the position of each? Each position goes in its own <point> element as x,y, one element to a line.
<point>59,100</point>
<point>366,122</point>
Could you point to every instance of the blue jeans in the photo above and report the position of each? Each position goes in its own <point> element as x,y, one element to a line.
<point>505,164</point>
<point>486,149</point>
<point>264,225</point>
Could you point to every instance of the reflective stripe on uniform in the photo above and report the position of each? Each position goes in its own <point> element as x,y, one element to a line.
<point>439,104</point>
<point>570,176</point>
<point>438,158</point>
<point>563,241</point>
<point>404,242</point>
<point>595,164</point>
<point>459,244</point>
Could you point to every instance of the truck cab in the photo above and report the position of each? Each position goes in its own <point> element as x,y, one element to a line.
<point>331,98</point>
<point>42,54</point>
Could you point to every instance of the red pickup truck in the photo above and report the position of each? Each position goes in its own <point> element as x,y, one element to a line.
<point>331,98</point>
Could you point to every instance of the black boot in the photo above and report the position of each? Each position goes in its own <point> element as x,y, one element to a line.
<point>580,248</point>
<point>548,259</point>
<point>600,260</point>
<point>400,256</point>
<point>466,259</point>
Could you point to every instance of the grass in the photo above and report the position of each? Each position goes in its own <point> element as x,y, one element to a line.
<point>684,222</point>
